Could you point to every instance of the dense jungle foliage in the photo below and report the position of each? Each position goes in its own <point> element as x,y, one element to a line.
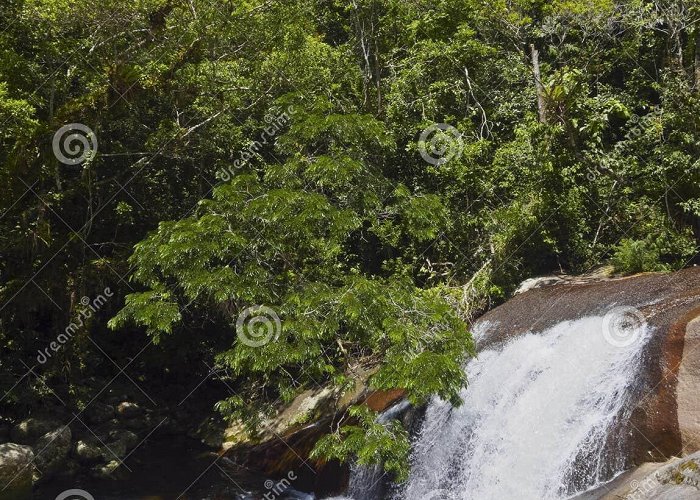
<point>271,155</point>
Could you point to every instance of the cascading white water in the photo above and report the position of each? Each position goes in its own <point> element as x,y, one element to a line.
<point>366,481</point>
<point>542,418</point>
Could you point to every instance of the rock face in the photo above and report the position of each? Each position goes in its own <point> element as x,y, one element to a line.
<point>15,472</point>
<point>677,479</point>
<point>687,389</point>
<point>31,429</point>
<point>666,421</point>
<point>287,439</point>
<point>127,410</point>
<point>52,450</point>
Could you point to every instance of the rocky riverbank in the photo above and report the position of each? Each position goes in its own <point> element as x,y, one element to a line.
<point>57,446</point>
<point>664,430</point>
<point>63,443</point>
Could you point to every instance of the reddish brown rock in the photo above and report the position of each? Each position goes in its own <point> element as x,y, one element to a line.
<point>687,389</point>
<point>381,400</point>
<point>286,441</point>
<point>665,421</point>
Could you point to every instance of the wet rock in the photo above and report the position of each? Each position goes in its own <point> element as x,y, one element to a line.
<point>665,421</point>
<point>128,410</point>
<point>52,450</point>
<point>106,471</point>
<point>676,479</point>
<point>88,451</point>
<point>381,400</point>
<point>687,400</point>
<point>210,432</point>
<point>98,413</point>
<point>31,429</point>
<point>122,442</point>
<point>16,471</point>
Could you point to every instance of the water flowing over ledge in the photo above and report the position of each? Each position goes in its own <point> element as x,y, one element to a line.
<point>564,402</point>
<point>541,418</point>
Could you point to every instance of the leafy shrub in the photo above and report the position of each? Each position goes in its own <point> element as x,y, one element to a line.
<point>637,256</point>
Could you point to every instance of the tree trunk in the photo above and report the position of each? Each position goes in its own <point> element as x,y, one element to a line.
<point>697,60</point>
<point>541,103</point>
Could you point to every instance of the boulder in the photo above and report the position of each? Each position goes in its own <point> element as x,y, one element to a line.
<point>106,471</point>
<point>121,443</point>
<point>31,429</point>
<point>284,442</point>
<point>128,410</point>
<point>16,471</point>
<point>211,432</point>
<point>88,451</point>
<point>676,479</point>
<point>688,387</point>
<point>98,413</point>
<point>52,450</point>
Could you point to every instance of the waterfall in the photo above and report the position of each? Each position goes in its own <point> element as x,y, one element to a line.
<point>543,418</point>
<point>367,482</point>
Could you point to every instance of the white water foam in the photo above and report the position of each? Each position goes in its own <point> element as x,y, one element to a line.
<point>541,419</point>
<point>366,482</point>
